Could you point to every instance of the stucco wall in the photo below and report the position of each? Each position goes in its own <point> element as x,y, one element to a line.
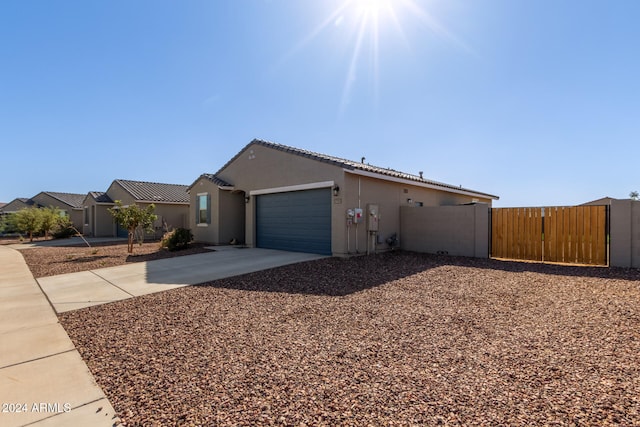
<point>116,192</point>
<point>100,222</point>
<point>390,196</point>
<point>232,216</point>
<point>451,230</point>
<point>174,216</point>
<point>104,223</point>
<point>624,233</point>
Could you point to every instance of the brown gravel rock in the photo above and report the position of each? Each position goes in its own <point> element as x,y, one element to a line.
<point>392,339</point>
<point>49,261</point>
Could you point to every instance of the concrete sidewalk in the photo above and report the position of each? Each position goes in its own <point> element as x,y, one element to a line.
<point>84,289</point>
<point>43,379</point>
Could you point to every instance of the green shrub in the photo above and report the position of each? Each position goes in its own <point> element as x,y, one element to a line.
<point>63,229</point>
<point>8,224</point>
<point>177,239</point>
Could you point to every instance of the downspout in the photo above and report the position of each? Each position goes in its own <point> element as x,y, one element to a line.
<point>358,208</point>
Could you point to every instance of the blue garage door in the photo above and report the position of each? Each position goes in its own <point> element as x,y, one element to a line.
<point>298,221</point>
<point>121,231</point>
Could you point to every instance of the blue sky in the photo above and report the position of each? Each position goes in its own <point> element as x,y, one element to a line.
<point>536,101</point>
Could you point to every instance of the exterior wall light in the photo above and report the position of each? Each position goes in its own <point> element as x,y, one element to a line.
<point>247,199</point>
<point>336,191</point>
<point>410,201</point>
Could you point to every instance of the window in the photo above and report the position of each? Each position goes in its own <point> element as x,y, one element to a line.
<point>86,215</point>
<point>203,209</point>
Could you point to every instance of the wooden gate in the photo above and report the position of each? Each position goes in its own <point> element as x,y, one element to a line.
<point>575,235</point>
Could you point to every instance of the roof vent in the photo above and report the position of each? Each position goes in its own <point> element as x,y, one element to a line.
<point>421,174</point>
<point>362,160</point>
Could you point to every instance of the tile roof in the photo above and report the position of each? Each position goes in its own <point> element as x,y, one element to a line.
<point>17,204</point>
<point>100,196</point>
<point>70,199</point>
<point>351,165</point>
<point>213,178</point>
<point>155,192</point>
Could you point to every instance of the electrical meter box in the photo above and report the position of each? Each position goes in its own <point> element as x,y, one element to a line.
<point>357,218</point>
<point>373,217</point>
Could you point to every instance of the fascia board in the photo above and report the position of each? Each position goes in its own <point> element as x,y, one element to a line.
<point>420,184</point>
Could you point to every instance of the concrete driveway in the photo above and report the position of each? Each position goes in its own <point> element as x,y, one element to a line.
<point>84,289</point>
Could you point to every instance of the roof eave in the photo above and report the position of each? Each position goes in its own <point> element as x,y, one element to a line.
<point>462,191</point>
<point>162,202</point>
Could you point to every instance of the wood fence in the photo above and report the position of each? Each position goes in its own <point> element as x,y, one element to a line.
<point>575,235</point>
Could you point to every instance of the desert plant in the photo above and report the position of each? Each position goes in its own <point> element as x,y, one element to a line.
<point>49,220</point>
<point>64,228</point>
<point>177,239</point>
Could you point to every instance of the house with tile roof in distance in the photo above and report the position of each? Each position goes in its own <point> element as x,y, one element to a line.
<point>276,196</point>
<point>16,204</point>
<point>171,206</point>
<point>69,203</point>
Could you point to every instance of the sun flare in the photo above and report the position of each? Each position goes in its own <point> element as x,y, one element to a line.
<point>364,23</point>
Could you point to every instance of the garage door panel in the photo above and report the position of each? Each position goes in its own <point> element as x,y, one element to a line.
<point>295,221</point>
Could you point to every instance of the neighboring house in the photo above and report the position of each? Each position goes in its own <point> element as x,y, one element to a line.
<point>599,202</point>
<point>16,204</point>
<point>70,204</point>
<point>171,206</point>
<point>274,196</point>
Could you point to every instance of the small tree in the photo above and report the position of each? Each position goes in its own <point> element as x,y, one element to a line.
<point>634,195</point>
<point>133,217</point>
<point>7,223</point>
<point>28,220</point>
<point>49,219</point>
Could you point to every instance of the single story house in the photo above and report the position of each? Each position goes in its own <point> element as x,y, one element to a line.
<point>275,196</point>
<point>16,204</point>
<point>69,203</point>
<point>171,206</point>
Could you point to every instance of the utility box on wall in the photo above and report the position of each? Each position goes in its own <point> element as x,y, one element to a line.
<point>373,217</point>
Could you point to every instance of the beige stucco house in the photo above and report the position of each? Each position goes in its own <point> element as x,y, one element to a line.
<point>171,206</point>
<point>69,203</point>
<point>275,196</point>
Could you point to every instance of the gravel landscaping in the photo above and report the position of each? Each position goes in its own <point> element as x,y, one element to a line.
<point>392,339</point>
<point>49,261</point>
